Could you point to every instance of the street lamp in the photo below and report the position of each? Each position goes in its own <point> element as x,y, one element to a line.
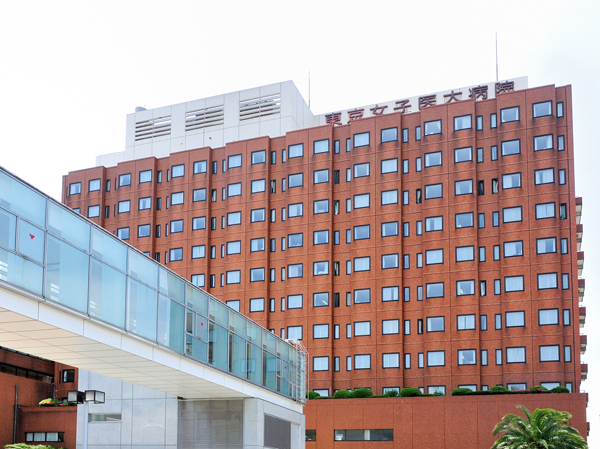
<point>85,397</point>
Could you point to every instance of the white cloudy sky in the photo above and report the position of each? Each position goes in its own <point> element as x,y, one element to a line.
<point>71,71</point>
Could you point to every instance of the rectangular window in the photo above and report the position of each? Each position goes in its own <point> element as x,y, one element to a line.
<point>391,166</point>
<point>391,361</point>
<point>436,358</point>
<point>406,327</point>
<point>320,146</point>
<point>514,284</point>
<point>511,181</point>
<point>465,288</point>
<point>493,120</point>
<point>515,355</point>
<point>389,293</point>
<point>144,230</point>
<point>125,180</point>
<point>433,159</point>
<point>199,252</point>
<point>320,331</point>
<point>465,253</point>
<point>565,281</point>
<point>464,220</point>
<point>233,218</point>
<point>295,270</point>
<point>295,240</point>
<point>320,268</point>
<point>434,256</point>
<point>559,109</point>
<point>74,188</point>
<point>467,357</point>
<point>320,299</point>
<point>511,147</point>
<point>418,164</point>
<point>482,254</point>
<point>509,114</point>
<point>257,275</point>
<point>176,226</point>
<point>433,127</point>
<point>546,245</point>
<point>362,296</point>
<point>433,191</point>
<point>199,167</point>
<point>320,237</point>
<point>544,142</point>
<point>435,324</point>
<point>513,249</point>
<point>545,210</point>
<point>494,153</point>
<point>94,184</point>
<point>235,247</point>
<point>389,135</point>
<point>548,317</point>
<point>362,328</point>
<point>144,203</point>
<point>463,154</point>
<point>433,224</point>
<point>390,327</point>
<point>177,171</point>
<point>93,211</point>
<point>465,322</point>
<point>484,358</point>
<point>175,254</point>
<point>295,210</point>
<point>321,176</point>
<point>462,122</point>
<point>321,363</point>
<point>389,197</point>
<point>123,233</point>
<point>320,207</point>
<point>567,353</point>
<point>562,176</point>
<point>361,170</point>
<point>434,290</point>
<point>294,301</point>
<point>545,176</point>
<point>405,135</point>
<point>549,353</point>
<point>560,143</point>
<point>463,187</point>
<point>361,139</point>
<point>233,277</point>
<point>257,215</point>
<point>512,214</point>
<point>124,206</point>
<point>515,319</point>
<point>389,261</point>
<point>497,321</point>
<point>296,180</point>
<point>361,201</point>
<point>200,194</point>
<point>362,361</point>
<point>258,185</point>
<point>479,120</point>
<point>362,232</point>
<point>542,109</point>
<point>498,356</point>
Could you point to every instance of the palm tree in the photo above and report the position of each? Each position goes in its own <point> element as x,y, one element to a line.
<point>544,428</point>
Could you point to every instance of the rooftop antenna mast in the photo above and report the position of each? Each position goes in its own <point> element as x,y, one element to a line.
<point>496,56</point>
<point>309,89</point>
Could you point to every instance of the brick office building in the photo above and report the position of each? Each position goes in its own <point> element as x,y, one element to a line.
<point>429,242</point>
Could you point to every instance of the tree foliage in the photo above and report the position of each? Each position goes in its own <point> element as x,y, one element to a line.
<point>544,428</point>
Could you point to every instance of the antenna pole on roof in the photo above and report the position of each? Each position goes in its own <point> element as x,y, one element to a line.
<point>496,56</point>
<point>309,89</point>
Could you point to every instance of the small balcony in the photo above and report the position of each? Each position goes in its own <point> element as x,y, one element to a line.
<point>584,371</point>
<point>583,343</point>
<point>578,206</point>
<point>579,263</point>
<point>579,236</point>
<point>581,317</point>
<point>581,288</point>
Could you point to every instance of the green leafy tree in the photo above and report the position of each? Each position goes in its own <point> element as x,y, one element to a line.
<point>544,428</point>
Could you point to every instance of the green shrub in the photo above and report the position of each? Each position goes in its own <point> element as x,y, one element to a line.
<point>391,394</point>
<point>439,393</point>
<point>312,395</point>
<point>341,394</point>
<point>27,446</point>
<point>409,392</point>
<point>537,389</point>
<point>461,391</point>
<point>325,397</point>
<point>560,389</point>
<point>361,393</point>
<point>498,389</point>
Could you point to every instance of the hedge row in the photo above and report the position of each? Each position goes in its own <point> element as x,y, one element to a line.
<point>411,392</point>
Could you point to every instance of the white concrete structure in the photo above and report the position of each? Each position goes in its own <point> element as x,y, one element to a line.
<point>271,110</point>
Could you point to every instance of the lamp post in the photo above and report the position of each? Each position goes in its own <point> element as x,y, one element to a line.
<point>85,397</point>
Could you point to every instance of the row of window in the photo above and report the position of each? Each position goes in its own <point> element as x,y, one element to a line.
<point>432,389</point>
<point>546,317</point>
<point>516,354</point>
<point>360,139</point>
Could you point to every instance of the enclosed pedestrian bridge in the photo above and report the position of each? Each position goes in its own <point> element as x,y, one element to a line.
<point>74,293</point>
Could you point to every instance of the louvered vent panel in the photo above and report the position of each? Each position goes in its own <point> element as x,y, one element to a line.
<point>260,107</point>
<point>204,118</point>
<point>156,127</point>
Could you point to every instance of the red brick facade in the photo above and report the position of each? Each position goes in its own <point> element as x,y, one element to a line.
<point>531,353</point>
<point>455,422</point>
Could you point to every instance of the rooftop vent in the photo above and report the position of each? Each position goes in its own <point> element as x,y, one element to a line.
<point>260,107</point>
<point>204,118</point>
<point>156,127</point>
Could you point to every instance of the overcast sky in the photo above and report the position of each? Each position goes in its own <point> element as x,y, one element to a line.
<point>71,71</point>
